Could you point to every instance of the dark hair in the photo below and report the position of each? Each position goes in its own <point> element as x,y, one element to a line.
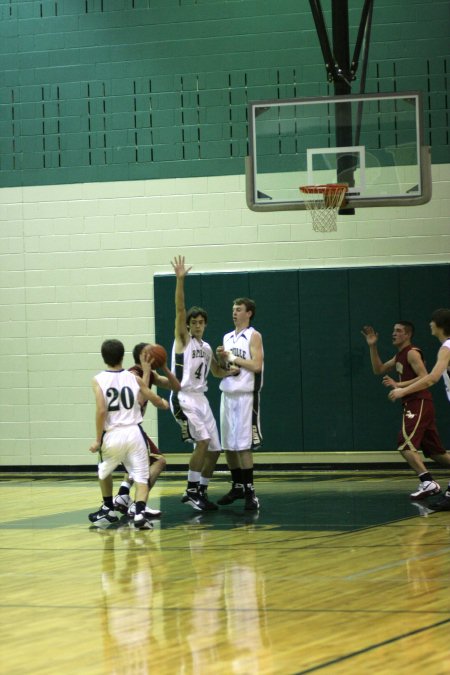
<point>408,325</point>
<point>137,351</point>
<point>113,352</point>
<point>194,312</point>
<point>250,305</point>
<point>441,318</point>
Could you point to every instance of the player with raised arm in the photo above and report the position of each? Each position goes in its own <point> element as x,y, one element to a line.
<point>192,359</point>
<point>418,429</point>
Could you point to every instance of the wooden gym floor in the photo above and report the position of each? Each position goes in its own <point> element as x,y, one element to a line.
<point>338,573</point>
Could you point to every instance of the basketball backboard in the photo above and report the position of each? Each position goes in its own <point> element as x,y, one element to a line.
<point>372,142</point>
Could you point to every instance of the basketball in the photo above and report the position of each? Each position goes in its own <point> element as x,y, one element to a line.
<point>158,354</point>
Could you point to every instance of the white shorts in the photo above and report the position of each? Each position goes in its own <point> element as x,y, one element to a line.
<point>193,413</point>
<point>127,446</point>
<point>239,421</point>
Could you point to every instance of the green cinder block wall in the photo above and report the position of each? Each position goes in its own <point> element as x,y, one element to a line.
<point>143,89</point>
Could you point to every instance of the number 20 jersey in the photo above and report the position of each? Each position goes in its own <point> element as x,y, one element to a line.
<point>120,390</point>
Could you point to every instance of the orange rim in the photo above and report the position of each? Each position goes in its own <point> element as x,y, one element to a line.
<point>324,189</point>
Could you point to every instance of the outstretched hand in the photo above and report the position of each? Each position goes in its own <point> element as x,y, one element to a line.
<point>370,335</point>
<point>179,266</point>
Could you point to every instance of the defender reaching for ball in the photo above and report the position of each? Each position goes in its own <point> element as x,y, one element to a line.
<point>119,396</point>
<point>144,357</point>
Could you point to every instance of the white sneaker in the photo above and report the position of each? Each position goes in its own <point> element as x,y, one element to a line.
<point>122,503</point>
<point>152,513</point>
<point>426,489</point>
<point>142,522</point>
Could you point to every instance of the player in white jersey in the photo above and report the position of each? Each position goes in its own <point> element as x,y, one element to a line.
<point>239,406</point>
<point>119,396</point>
<point>192,359</point>
<point>440,328</point>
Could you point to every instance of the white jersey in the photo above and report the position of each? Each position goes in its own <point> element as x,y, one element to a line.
<point>239,345</point>
<point>446,374</point>
<point>120,389</point>
<point>191,367</point>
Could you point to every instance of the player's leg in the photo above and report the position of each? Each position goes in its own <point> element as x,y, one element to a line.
<point>111,455</point>
<point>414,425</point>
<point>191,494</point>
<point>138,466</point>
<point>229,411</point>
<point>207,472</point>
<point>157,466</point>
<point>203,431</point>
<point>211,457</point>
<point>246,461</point>
<point>434,449</point>
<point>123,500</point>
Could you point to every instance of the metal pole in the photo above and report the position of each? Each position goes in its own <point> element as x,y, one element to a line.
<point>342,87</point>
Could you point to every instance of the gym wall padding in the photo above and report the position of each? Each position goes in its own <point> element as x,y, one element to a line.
<point>319,392</point>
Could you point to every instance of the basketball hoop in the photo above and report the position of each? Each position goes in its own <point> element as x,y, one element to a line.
<point>324,204</point>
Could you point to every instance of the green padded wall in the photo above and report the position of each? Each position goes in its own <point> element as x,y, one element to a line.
<point>319,391</point>
<point>104,90</point>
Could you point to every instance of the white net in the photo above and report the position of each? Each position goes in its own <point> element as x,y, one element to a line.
<point>324,201</point>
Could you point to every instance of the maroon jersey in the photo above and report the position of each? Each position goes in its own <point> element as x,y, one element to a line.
<point>406,372</point>
<point>137,370</point>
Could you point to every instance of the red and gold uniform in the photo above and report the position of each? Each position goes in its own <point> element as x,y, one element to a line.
<point>419,422</point>
<point>153,451</point>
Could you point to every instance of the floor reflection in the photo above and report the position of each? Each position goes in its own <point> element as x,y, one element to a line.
<point>212,604</point>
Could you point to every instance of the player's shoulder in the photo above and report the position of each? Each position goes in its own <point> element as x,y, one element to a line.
<point>254,333</point>
<point>127,376</point>
<point>414,350</point>
<point>206,346</point>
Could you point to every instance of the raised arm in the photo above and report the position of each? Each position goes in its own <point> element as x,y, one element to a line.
<point>378,367</point>
<point>181,331</point>
<point>427,380</point>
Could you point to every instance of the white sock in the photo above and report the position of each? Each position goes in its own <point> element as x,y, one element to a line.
<point>194,476</point>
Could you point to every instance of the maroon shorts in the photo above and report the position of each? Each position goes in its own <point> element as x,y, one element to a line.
<point>154,452</point>
<point>419,428</point>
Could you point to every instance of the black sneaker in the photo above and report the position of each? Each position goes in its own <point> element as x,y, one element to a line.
<point>236,492</point>
<point>103,517</point>
<point>442,504</point>
<point>194,499</point>
<point>251,500</point>
<point>210,506</point>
